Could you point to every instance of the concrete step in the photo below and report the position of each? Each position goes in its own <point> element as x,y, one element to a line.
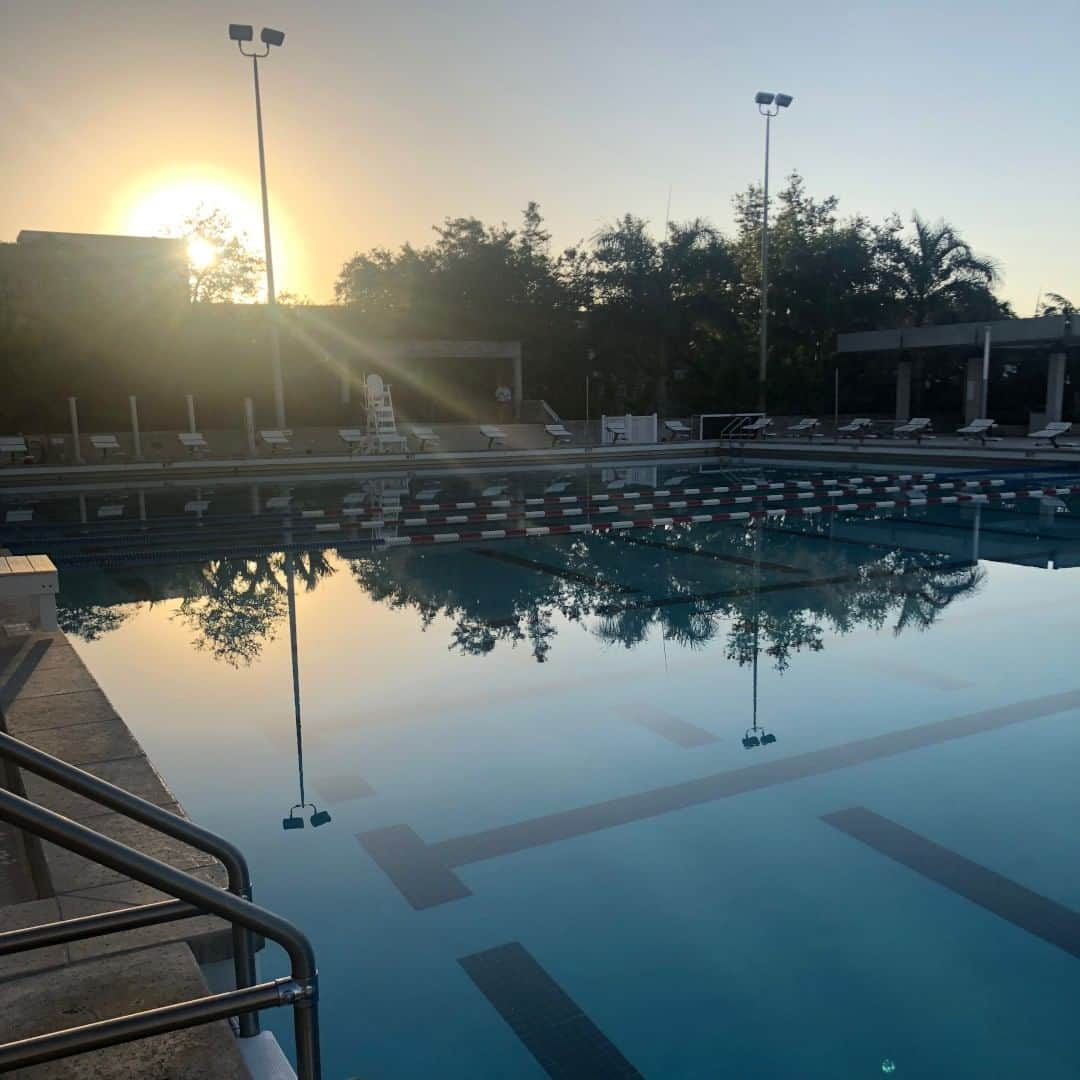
<point>113,986</point>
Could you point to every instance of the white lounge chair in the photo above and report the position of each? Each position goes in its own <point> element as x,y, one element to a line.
<point>276,439</point>
<point>16,517</point>
<point>193,442</point>
<point>15,445</point>
<point>105,443</point>
<point>757,427</point>
<point>917,427</point>
<point>424,435</point>
<point>111,510</point>
<point>616,429</point>
<point>858,428</point>
<point>677,429</point>
<point>977,429</point>
<point>492,434</point>
<point>805,427</point>
<point>355,439</point>
<point>1052,432</point>
<point>558,433</point>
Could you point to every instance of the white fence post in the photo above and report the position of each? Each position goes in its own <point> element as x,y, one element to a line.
<point>73,412</point>
<point>191,413</point>
<point>136,441</point>
<point>249,424</point>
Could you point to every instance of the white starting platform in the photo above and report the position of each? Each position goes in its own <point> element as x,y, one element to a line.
<point>28,588</point>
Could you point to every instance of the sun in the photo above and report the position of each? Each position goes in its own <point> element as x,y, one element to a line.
<point>161,208</point>
<point>201,253</point>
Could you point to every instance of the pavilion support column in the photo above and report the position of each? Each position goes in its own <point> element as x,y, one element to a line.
<point>973,389</point>
<point>903,390</point>
<point>516,359</point>
<point>1055,386</point>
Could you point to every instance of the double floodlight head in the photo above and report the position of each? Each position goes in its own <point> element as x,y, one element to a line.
<point>240,33</point>
<point>765,99</point>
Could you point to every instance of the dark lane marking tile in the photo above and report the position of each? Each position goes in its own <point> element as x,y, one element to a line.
<point>673,728</point>
<point>566,1043</point>
<point>715,556</point>
<point>604,815</point>
<point>1037,914</point>
<point>343,788</point>
<point>553,571</point>
<point>23,670</point>
<point>422,877</point>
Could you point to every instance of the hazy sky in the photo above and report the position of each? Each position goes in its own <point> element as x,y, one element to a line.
<point>384,117</point>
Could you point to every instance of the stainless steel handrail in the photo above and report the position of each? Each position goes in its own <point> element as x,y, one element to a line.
<point>147,813</point>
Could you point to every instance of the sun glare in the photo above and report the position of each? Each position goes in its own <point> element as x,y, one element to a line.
<point>201,253</point>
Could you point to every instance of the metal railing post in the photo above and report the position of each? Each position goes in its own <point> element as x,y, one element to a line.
<point>141,867</point>
<point>116,798</point>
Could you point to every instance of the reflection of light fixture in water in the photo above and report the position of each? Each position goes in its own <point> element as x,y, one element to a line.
<point>318,817</point>
<point>755,736</point>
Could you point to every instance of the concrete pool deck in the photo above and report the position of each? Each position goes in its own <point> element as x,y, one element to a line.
<point>50,700</point>
<point>527,446</point>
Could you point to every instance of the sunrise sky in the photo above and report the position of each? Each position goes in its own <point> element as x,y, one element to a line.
<point>384,117</point>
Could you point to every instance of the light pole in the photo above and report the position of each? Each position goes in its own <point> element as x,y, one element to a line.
<point>269,38</point>
<point>768,105</point>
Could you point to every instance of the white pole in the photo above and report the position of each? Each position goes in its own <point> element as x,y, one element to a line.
<point>986,374</point>
<point>136,441</point>
<point>73,412</point>
<point>836,400</point>
<point>191,413</point>
<point>249,424</point>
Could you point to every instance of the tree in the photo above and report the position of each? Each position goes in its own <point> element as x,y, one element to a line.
<point>932,275</point>
<point>1053,303</point>
<point>222,266</point>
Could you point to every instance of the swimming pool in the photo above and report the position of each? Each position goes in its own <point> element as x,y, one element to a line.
<point>753,797</point>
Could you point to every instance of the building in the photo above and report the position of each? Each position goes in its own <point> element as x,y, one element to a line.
<point>50,275</point>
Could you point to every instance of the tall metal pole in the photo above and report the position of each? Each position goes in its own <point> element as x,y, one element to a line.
<point>763,364</point>
<point>271,295</point>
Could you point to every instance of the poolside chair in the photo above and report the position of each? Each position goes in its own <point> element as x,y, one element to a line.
<point>106,444</point>
<point>760,426</point>
<point>677,429</point>
<point>492,434</point>
<point>355,439</point>
<point>424,435</point>
<point>276,439</point>
<point>193,441</point>
<point>858,428</point>
<point>17,517</point>
<point>1052,432</point>
<point>558,433</point>
<point>15,445</point>
<point>805,427</point>
<point>111,510</point>
<point>977,429</point>
<point>917,428</point>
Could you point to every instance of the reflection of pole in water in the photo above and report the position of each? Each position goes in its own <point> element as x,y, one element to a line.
<point>751,738</point>
<point>318,817</point>
<point>975,533</point>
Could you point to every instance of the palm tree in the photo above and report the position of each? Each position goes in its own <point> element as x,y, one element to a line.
<point>1055,304</point>
<point>934,276</point>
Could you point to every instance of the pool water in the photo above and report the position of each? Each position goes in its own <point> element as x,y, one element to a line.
<point>783,797</point>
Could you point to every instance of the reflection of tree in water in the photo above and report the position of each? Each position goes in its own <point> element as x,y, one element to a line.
<point>236,604</point>
<point>625,587</point>
<point>90,621</point>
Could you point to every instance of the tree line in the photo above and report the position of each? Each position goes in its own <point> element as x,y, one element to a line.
<point>672,322</point>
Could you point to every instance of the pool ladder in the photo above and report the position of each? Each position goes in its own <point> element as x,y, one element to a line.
<point>191,897</point>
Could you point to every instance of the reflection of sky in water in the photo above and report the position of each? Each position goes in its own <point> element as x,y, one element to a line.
<point>741,937</point>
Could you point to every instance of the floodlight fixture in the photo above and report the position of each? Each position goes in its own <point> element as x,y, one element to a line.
<point>320,817</point>
<point>784,100</point>
<point>240,32</point>
<point>275,37</point>
<point>761,97</point>
<point>292,822</point>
